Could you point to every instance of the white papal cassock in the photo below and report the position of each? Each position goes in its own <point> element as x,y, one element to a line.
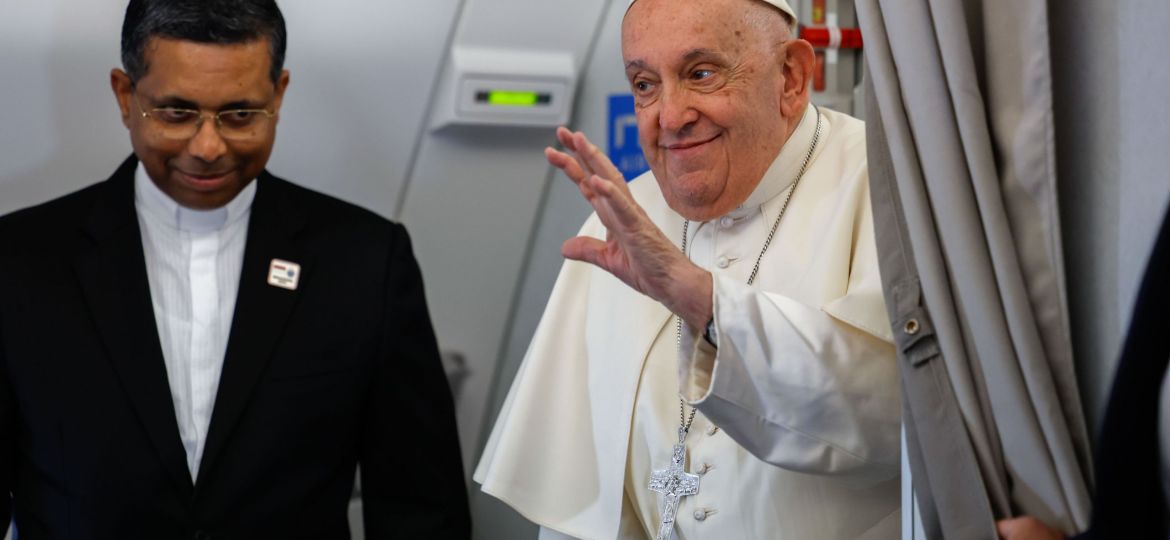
<point>803,385</point>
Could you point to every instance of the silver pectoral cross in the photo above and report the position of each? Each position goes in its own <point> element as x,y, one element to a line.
<point>673,483</point>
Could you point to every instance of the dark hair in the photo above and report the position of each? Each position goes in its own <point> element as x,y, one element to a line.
<point>223,22</point>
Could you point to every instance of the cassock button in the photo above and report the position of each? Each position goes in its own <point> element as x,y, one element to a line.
<point>722,262</point>
<point>703,468</point>
<point>726,222</point>
<point>700,515</point>
<point>712,430</point>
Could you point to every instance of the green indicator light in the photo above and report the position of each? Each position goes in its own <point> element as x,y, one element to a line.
<point>510,98</point>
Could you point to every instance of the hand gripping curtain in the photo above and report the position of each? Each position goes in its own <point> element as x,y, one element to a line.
<point>963,184</point>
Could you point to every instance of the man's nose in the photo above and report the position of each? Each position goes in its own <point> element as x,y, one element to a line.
<point>676,110</point>
<point>207,144</point>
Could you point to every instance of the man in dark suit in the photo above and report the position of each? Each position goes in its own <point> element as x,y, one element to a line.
<point>195,348</point>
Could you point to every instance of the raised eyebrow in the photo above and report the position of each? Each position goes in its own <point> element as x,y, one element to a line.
<point>690,56</point>
<point>635,64</point>
<point>695,54</point>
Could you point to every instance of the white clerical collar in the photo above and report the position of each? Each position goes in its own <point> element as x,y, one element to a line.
<point>784,168</point>
<point>149,198</point>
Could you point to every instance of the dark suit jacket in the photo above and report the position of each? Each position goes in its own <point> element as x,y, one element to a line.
<point>1129,501</point>
<point>345,369</point>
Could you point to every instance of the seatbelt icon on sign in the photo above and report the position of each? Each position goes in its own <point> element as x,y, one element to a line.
<point>624,150</point>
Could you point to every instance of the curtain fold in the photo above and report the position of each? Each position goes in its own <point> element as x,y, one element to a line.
<point>963,174</point>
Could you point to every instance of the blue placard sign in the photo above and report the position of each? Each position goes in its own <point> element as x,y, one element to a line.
<point>624,150</point>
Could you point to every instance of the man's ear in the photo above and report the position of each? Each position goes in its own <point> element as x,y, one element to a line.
<point>123,91</point>
<point>799,63</point>
<point>281,86</point>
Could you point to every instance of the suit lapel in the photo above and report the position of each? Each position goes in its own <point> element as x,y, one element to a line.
<point>112,272</point>
<point>261,310</point>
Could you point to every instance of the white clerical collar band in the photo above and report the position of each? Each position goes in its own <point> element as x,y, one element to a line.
<point>160,206</point>
<point>786,165</point>
<point>778,4</point>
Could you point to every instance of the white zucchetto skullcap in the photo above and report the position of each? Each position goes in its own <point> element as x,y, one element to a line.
<point>781,5</point>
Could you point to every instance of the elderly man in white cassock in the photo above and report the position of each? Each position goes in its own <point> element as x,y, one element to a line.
<point>715,360</point>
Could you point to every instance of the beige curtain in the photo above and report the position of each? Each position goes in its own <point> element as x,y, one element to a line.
<point>964,193</point>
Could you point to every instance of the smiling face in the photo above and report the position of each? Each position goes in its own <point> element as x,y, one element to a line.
<point>714,95</point>
<point>204,171</point>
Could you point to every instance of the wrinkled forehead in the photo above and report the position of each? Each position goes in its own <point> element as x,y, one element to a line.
<point>662,34</point>
<point>781,5</point>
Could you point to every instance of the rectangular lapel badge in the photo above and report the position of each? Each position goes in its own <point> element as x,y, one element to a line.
<point>284,274</point>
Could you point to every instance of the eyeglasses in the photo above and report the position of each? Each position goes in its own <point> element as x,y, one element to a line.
<point>181,124</point>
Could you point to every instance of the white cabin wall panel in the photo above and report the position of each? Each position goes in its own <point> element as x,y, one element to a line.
<point>560,217</point>
<point>564,209</point>
<point>1145,140</point>
<point>474,194</point>
<point>539,25</point>
<point>1112,127</point>
<point>362,72</point>
<point>470,210</point>
<point>60,124</point>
